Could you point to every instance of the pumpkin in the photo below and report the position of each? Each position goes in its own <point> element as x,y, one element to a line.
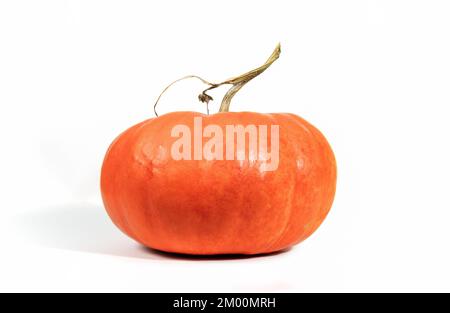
<point>211,205</point>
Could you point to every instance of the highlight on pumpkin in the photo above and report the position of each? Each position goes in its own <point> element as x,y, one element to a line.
<point>227,143</point>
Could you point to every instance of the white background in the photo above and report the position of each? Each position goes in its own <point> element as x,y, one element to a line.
<point>374,76</point>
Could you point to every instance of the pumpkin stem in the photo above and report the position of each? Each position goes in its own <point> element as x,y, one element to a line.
<point>236,82</point>
<point>239,81</point>
<point>178,80</point>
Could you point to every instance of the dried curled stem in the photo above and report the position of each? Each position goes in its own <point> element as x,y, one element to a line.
<point>236,82</point>
<point>178,80</point>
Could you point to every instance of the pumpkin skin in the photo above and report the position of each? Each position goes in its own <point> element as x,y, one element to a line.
<point>203,207</point>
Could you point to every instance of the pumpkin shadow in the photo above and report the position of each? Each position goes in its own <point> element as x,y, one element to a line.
<point>218,257</point>
<point>87,228</point>
<point>80,227</point>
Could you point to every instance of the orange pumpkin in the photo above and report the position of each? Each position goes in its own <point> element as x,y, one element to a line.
<point>212,206</point>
